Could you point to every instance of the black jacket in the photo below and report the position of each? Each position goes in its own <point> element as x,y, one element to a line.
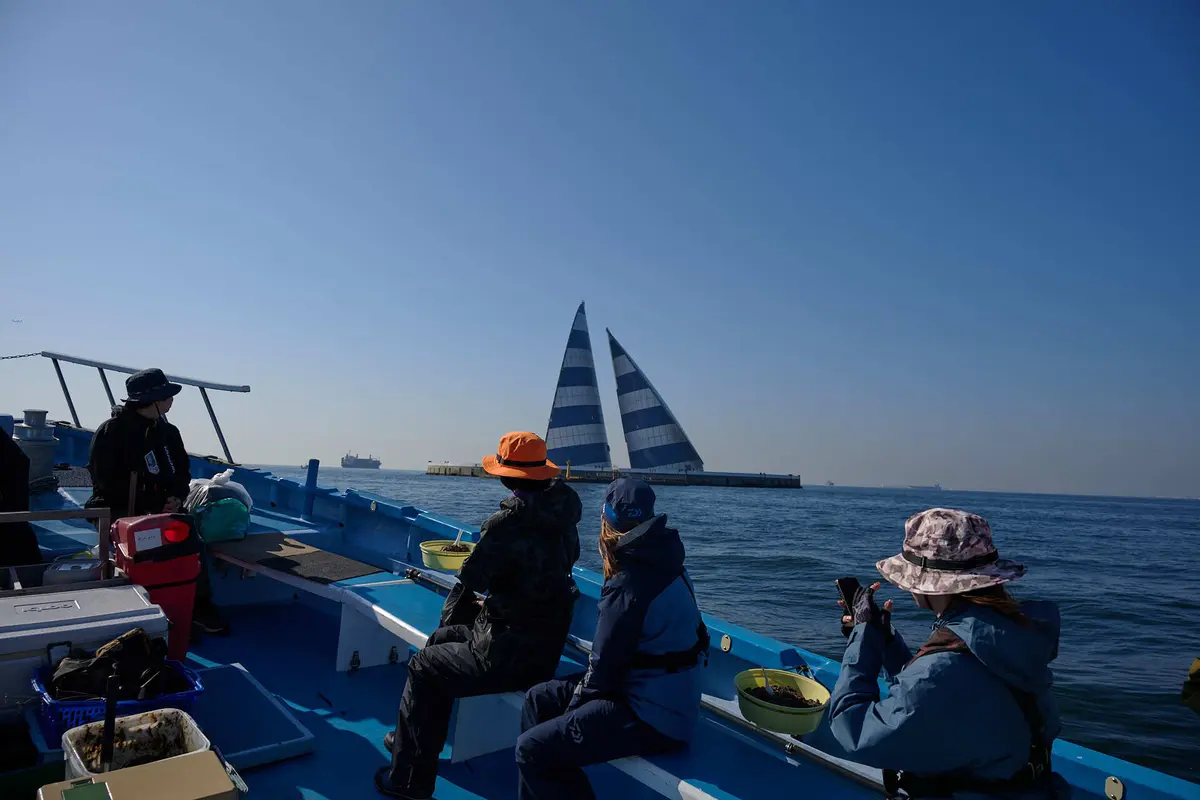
<point>128,442</point>
<point>18,542</point>
<point>523,564</point>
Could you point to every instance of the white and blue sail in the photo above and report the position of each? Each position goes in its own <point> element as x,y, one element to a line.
<point>576,433</point>
<point>655,439</point>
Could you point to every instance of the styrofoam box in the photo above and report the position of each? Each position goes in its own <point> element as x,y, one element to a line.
<point>86,618</point>
<point>135,732</point>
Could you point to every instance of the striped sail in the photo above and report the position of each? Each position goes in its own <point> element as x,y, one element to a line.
<point>576,434</point>
<point>655,439</point>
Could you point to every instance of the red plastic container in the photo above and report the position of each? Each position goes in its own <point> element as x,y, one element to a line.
<point>161,552</point>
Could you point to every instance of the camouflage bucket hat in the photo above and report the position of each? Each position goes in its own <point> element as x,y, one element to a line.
<point>947,551</point>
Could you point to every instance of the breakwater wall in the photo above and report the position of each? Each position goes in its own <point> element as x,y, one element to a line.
<point>741,479</point>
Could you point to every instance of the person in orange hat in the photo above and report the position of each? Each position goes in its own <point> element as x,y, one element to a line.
<point>508,642</point>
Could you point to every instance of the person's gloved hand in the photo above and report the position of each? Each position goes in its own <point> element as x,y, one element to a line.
<point>865,610</point>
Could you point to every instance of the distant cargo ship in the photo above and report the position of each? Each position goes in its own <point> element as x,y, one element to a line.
<point>937,487</point>
<point>354,462</point>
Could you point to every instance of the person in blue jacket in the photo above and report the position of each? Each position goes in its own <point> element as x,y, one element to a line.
<point>641,693</point>
<point>972,711</point>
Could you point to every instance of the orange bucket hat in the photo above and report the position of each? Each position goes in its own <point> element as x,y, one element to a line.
<point>521,455</point>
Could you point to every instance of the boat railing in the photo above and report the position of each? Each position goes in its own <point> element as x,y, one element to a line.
<point>103,516</point>
<point>102,366</point>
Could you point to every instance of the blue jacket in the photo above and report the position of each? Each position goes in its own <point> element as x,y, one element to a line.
<point>948,712</point>
<point>647,608</point>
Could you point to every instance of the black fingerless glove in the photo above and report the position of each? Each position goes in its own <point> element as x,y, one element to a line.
<point>867,611</point>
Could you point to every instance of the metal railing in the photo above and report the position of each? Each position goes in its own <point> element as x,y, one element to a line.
<point>101,366</point>
<point>102,515</point>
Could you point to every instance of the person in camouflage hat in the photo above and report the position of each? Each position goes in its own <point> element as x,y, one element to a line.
<point>514,638</point>
<point>948,552</point>
<point>979,686</point>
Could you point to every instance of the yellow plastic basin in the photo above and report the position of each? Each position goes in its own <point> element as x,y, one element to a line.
<point>433,557</point>
<point>781,719</point>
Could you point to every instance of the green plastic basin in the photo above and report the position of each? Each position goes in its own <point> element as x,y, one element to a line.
<point>433,557</point>
<point>777,718</point>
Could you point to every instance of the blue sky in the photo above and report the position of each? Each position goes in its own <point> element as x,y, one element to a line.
<point>878,243</point>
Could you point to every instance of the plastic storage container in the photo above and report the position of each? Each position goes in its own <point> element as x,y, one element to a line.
<point>142,738</point>
<point>433,557</point>
<point>162,553</point>
<point>68,571</point>
<point>32,625</point>
<point>59,716</point>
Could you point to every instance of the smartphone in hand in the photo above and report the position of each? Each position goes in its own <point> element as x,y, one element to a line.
<point>847,588</point>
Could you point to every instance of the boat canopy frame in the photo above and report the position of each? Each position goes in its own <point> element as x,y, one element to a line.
<point>101,366</point>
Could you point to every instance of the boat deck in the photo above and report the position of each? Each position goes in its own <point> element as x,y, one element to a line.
<point>290,649</point>
<point>323,620</point>
<point>287,626</point>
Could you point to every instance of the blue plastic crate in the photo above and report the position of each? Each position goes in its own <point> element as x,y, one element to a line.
<point>59,716</point>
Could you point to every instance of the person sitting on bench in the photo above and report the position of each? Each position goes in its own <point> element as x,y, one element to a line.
<point>980,686</point>
<point>512,640</point>
<point>641,693</point>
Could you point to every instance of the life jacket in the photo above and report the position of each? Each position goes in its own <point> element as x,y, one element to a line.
<point>680,659</point>
<point>1036,770</point>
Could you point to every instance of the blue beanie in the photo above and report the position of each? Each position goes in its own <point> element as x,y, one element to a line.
<point>628,503</point>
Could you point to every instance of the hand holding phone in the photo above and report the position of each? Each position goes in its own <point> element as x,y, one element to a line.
<point>847,588</point>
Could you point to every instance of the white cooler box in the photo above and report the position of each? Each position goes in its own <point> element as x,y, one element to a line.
<point>31,625</point>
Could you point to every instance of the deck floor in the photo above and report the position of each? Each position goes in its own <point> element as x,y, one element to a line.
<point>289,649</point>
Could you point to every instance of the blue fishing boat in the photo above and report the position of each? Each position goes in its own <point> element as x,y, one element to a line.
<point>328,598</point>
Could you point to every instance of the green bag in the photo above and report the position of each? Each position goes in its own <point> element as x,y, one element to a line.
<point>222,521</point>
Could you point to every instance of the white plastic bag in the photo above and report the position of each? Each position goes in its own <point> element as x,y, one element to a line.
<point>219,487</point>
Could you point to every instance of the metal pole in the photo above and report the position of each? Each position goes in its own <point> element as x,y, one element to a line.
<point>103,528</point>
<point>67,394</point>
<point>216,424</point>
<point>107,388</point>
<point>310,486</point>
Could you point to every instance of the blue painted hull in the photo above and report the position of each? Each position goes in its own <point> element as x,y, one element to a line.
<point>288,648</point>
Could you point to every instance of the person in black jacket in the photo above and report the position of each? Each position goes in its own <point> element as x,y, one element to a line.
<point>18,542</point>
<point>512,639</point>
<point>138,443</point>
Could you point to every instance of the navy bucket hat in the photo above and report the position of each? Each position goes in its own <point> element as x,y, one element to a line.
<point>628,503</point>
<point>149,386</point>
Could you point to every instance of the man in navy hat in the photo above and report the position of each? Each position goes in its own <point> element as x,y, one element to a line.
<point>137,443</point>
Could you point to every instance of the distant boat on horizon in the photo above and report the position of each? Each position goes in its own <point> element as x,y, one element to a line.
<point>354,462</point>
<point>937,487</point>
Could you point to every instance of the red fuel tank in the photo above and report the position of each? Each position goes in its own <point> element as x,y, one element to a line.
<point>161,552</point>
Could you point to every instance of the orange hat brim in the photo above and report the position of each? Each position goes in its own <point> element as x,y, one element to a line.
<point>492,466</point>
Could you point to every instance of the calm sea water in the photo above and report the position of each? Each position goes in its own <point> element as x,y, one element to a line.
<point>1123,571</point>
